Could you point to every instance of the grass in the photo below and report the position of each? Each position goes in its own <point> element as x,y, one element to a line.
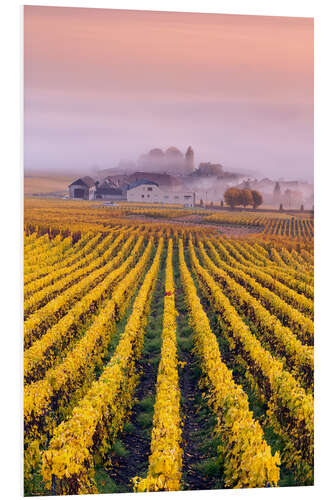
<point>145,419</point>
<point>118,449</point>
<point>152,345</point>
<point>210,468</point>
<point>128,427</point>
<point>147,403</point>
<point>36,486</point>
<point>151,352</point>
<point>185,343</point>
<point>104,483</point>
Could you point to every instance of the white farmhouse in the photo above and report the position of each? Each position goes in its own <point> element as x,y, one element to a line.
<point>150,192</point>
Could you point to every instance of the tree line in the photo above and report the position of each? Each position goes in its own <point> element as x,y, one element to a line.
<point>242,197</point>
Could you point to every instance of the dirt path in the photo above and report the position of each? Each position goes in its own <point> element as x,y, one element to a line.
<point>200,468</point>
<point>136,437</point>
<point>135,440</point>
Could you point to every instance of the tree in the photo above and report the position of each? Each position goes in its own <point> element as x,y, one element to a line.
<point>257,199</point>
<point>232,197</point>
<point>245,197</point>
<point>189,160</point>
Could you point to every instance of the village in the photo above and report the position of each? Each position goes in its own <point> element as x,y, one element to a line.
<point>170,177</point>
<point>141,190</point>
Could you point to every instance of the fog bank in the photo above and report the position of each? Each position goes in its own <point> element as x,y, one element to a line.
<point>104,85</point>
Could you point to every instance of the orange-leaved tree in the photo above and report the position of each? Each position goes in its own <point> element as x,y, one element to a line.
<point>245,197</point>
<point>232,197</point>
<point>257,199</point>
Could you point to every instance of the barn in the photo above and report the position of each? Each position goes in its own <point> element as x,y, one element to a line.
<point>82,189</point>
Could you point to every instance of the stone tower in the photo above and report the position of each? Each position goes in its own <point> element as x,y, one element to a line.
<point>189,160</point>
<point>277,193</point>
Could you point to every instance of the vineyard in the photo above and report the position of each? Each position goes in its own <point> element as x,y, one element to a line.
<point>161,356</point>
<point>98,216</point>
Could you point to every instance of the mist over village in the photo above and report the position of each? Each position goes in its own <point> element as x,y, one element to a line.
<point>237,89</point>
<point>175,171</point>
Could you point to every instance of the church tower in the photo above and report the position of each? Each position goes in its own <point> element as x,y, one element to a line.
<point>189,161</point>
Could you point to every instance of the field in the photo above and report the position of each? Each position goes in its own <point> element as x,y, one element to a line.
<point>162,352</point>
<point>41,185</point>
<point>96,215</point>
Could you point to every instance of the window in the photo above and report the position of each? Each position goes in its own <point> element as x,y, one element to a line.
<point>166,197</point>
<point>187,197</point>
<point>176,197</point>
<point>142,196</point>
<point>148,195</point>
<point>150,189</point>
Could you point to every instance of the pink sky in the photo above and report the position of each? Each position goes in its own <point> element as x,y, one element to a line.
<point>101,85</point>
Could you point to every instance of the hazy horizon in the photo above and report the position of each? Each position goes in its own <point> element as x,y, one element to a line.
<point>101,85</point>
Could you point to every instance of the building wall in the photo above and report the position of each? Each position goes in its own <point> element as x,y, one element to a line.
<point>153,194</point>
<point>117,197</point>
<point>74,189</point>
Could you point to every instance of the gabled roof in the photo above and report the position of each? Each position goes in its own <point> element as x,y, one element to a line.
<point>140,182</point>
<point>161,179</point>
<point>84,181</point>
